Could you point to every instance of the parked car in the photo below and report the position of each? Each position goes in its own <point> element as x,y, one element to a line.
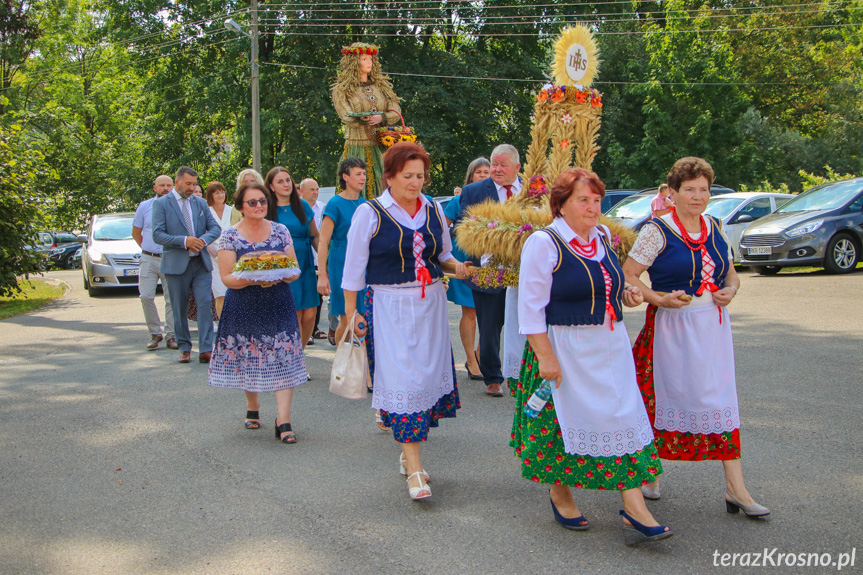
<point>48,240</point>
<point>111,258</point>
<point>821,227</point>
<point>443,200</point>
<point>75,260</point>
<point>61,256</point>
<point>613,197</point>
<point>737,212</point>
<point>634,211</point>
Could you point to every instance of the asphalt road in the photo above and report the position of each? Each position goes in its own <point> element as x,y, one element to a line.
<point>118,460</point>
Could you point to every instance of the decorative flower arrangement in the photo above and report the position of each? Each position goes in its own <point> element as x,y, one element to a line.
<point>564,144</point>
<point>537,188</point>
<point>558,94</point>
<point>494,275</point>
<point>391,135</point>
<point>359,48</point>
<point>566,119</point>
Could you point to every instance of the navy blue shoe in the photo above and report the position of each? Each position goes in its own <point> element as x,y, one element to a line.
<point>638,533</point>
<point>575,523</point>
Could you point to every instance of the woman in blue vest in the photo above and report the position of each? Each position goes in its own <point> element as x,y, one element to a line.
<point>400,246</point>
<point>686,373</point>
<point>297,215</point>
<point>594,432</point>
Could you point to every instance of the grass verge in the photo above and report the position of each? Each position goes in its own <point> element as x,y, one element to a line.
<point>36,294</point>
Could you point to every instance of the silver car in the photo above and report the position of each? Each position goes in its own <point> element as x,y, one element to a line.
<point>823,226</point>
<point>737,212</point>
<point>111,258</point>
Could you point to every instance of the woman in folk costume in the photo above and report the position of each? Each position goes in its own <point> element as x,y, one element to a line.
<point>400,246</point>
<point>685,354</point>
<point>361,88</point>
<point>594,432</point>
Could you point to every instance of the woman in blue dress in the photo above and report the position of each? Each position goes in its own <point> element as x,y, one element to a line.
<point>297,215</point>
<point>258,346</point>
<point>334,237</point>
<point>459,292</point>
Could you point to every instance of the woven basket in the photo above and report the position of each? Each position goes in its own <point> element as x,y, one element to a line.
<point>390,135</point>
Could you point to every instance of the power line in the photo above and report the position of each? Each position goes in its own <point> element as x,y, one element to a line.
<point>597,33</point>
<point>546,80</point>
<point>523,19</point>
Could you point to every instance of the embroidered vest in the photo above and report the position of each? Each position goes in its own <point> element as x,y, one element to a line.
<point>391,249</point>
<point>578,287</point>
<point>679,268</point>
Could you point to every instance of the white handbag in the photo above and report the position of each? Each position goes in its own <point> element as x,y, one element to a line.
<point>350,366</point>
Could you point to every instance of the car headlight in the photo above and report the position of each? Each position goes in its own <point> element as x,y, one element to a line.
<point>806,228</point>
<point>97,257</point>
<point>56,251</point>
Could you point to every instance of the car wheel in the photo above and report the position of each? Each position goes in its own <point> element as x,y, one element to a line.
<point>66,264</point>
<point>768,270</point>
<point>842,254</point>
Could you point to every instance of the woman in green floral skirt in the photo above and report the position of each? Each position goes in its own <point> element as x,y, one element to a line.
<point>594,432</point>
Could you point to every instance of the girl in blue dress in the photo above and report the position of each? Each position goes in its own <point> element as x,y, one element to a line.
<point>258,347</point>
<point>297,215</point>
<point>334,237</point>
<point>459,292</point>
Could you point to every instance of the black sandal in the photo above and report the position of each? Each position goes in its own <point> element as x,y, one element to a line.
<point>284,428</point>
<point>253,424</point>
<point>319,335</point>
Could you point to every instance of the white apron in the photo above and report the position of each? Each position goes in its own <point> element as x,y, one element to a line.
<point>599,407</point>
<point>513,342</point>
<point>413,352</point>
<point>693,370</point>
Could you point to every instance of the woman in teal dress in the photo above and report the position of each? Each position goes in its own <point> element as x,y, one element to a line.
<point>333,242</point>
<point>459,292</point>
<point>297,215</point>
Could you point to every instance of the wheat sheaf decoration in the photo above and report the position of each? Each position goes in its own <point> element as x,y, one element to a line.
<point>565,127</point>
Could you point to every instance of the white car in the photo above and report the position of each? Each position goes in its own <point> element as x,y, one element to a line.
<point>738,210</point>
<point>111,258</point>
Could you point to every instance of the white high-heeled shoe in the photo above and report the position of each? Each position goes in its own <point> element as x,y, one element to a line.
<point>421,492</point>
<point>403,470</point>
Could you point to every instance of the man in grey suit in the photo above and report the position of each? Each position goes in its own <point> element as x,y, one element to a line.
<point>490,303</point>
<point>183,225</point>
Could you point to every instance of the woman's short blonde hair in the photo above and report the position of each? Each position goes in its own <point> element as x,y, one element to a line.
<point>244,173</point>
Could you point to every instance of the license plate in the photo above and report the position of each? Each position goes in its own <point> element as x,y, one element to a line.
<point>760,251</point>
<point>130,272</point>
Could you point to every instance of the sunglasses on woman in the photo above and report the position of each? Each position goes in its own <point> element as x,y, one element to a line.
<point>255,203</point>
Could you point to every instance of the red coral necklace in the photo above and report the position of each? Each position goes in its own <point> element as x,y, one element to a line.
<point>694,245</point>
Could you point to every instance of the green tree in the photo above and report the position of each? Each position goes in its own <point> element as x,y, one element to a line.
<point>22,172</point>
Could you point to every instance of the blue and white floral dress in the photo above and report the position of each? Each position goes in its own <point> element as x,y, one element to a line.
<point>258,345</point>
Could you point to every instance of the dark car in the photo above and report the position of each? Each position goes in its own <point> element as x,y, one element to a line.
<point>62,255</point>
<point>634,211</point>
<point>822,226</point>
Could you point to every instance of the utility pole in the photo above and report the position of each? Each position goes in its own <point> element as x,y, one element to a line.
<point>256,96</point>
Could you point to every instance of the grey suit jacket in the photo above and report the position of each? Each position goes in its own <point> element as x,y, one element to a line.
<point>169,230</point>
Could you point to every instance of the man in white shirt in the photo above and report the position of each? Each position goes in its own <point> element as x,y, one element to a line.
<point>149,275</point>
<point>309,190</point>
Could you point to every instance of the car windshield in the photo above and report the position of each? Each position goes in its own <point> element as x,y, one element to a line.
<point>113,229</point>
<point>632,208</point>
<point>720,207</point>
<point>822,198</point>
<point>65,238</point>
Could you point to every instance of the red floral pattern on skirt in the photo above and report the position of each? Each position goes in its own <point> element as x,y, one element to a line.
<point>676,444</point>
